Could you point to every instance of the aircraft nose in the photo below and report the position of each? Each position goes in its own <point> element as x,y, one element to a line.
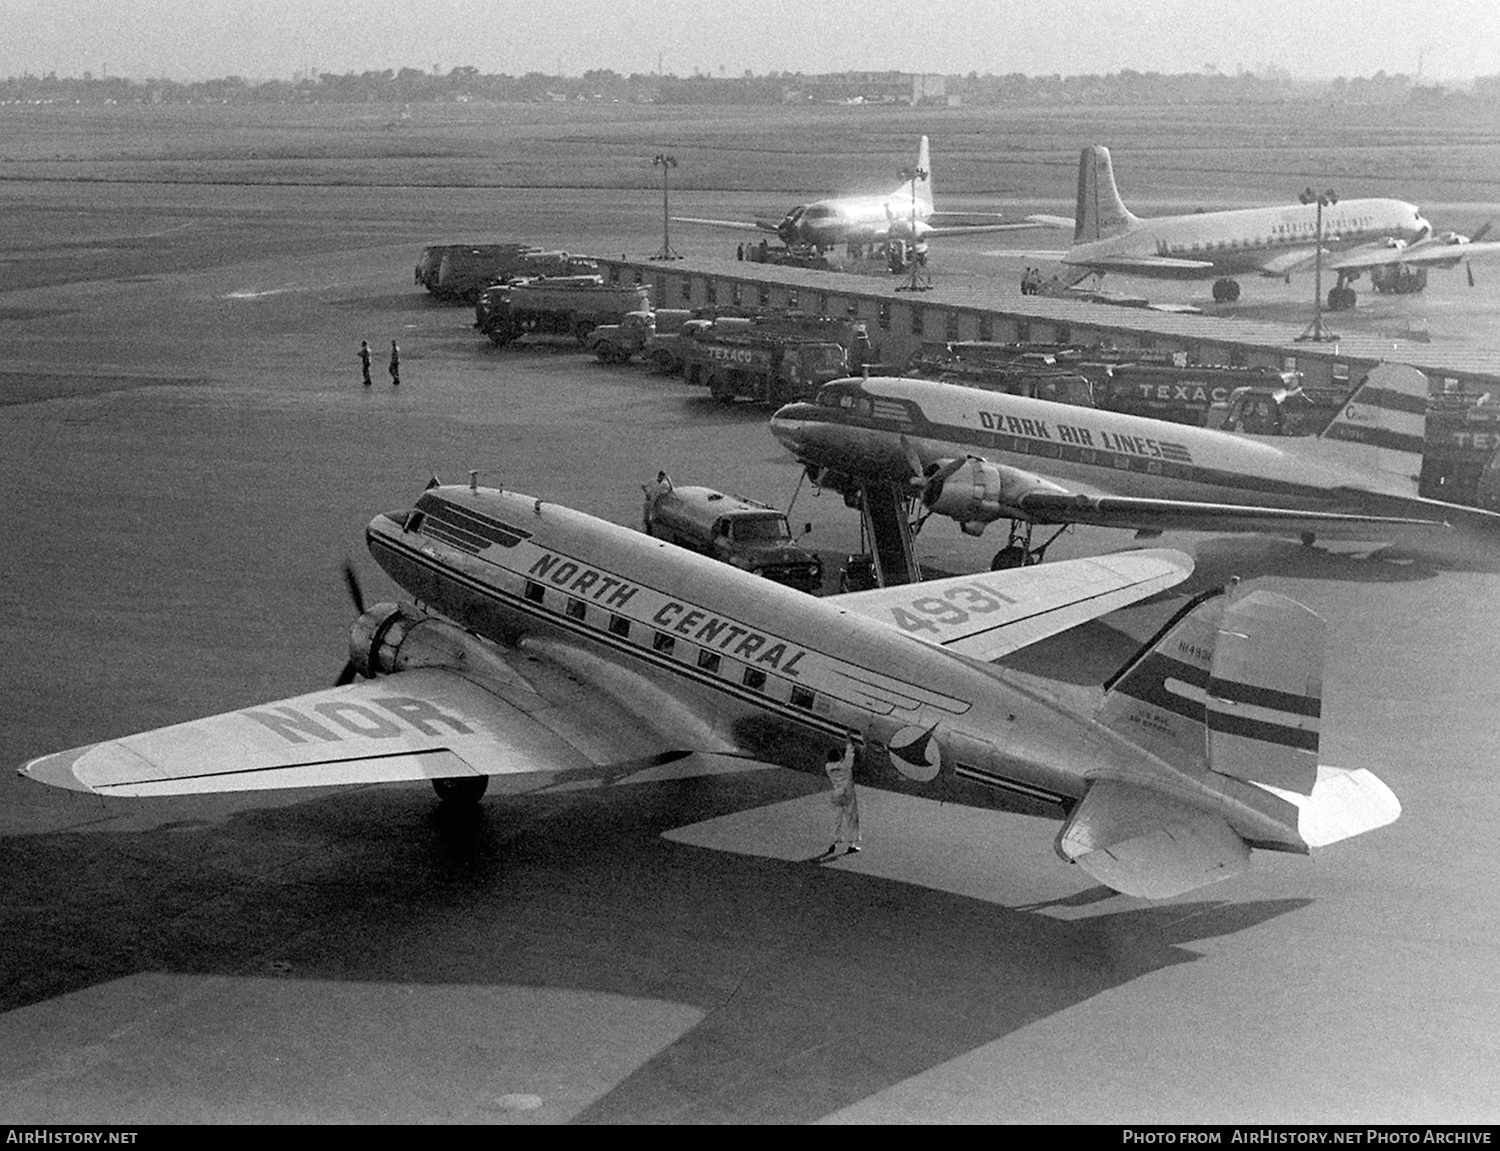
<point>1424,229</point>
<point>789,426</point>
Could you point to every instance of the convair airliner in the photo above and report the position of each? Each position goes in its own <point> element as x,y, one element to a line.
<point>904,213</point>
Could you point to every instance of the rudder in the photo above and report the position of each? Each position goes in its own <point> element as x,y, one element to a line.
<point>1099,213</point>
<point>1382,427</point>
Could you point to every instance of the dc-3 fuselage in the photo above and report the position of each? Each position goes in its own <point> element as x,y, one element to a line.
<point>552,645</point>
<point>1014,457</point>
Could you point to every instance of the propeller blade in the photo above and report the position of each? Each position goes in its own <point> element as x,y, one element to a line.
<point>346,676</point>
<point>933,488</point>
<point>1482,233</point>
<point>913,461</point>
<point>351,581</point>
<point>1469,269</point>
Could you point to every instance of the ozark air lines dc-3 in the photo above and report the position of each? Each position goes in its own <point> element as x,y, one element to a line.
<point>553,647</point>
<point>979,456</point>
<point>1387,238</point>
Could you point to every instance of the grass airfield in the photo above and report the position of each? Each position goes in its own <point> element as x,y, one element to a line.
<point>190,457</point>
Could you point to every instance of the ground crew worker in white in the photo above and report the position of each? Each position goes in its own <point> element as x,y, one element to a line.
<point>840,769</point>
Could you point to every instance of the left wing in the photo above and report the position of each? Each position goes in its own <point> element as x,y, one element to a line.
<point>1143,514</point>
<point>992,614</point>
<point>1437,252</point>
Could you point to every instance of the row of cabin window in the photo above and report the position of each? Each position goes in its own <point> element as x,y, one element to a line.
<point>665,644</point>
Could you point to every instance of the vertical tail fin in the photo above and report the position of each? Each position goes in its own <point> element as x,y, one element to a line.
<point>919,186</point>
<point>1232,687</point>
<point>1228,696</point>
<point>1381,428</point>
<point>1099,213</point>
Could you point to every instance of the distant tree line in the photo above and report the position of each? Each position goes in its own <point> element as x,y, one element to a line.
<point>411,85</point>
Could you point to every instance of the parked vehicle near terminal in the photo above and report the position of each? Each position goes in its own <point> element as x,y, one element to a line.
<point>741,532</point>
<point>1462,450</point>
<point>555,305</point>
<point>766,367</point>
<point>461,272</point>
<point>1156,386</point>
<point>652,335</point>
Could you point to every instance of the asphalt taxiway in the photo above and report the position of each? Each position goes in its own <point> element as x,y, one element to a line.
<point>190,456</point>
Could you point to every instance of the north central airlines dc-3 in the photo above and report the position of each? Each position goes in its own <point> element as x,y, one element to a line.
<point>553,647</point>
<point>979,456</point>
<point>904,213</point>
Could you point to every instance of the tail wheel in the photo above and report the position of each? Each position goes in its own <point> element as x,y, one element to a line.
<point>461,791</point>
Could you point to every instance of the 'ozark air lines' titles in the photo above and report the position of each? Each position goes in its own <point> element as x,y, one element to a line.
<point>1079,436</point>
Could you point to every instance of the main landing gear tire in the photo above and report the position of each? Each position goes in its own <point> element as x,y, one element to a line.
<point>461,791</point>
<point>1341,299</point>
<point>1011,556</point>
<point>1226,291</point>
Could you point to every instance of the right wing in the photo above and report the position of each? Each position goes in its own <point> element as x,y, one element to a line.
<point>737,225</point>
<point>992,614</point>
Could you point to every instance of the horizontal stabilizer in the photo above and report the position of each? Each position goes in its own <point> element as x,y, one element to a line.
<point>1343,803</point>
<point>1143,843</point>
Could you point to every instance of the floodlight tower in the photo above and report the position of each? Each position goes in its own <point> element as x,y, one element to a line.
<point>665,162</point>
<point>919,280</point>
<point>1324,199</point>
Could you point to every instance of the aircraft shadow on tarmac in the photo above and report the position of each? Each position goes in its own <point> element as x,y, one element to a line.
<point>818,987</point>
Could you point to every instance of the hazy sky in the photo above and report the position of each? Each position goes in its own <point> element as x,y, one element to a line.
<point>195,39</point>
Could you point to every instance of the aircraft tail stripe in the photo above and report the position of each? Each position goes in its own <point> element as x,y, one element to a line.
<point>1391,400</point>
<point>1147,682</point>
<point>1266,697</point>
<point>1302,739</point>
<point>1408,442</point>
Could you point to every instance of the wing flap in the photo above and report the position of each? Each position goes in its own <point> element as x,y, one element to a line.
<point>993,614</point>
<point>1143,843</point>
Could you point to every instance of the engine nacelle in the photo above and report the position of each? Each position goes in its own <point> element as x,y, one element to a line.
<point>979,493</point>
<point>392,637</point>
